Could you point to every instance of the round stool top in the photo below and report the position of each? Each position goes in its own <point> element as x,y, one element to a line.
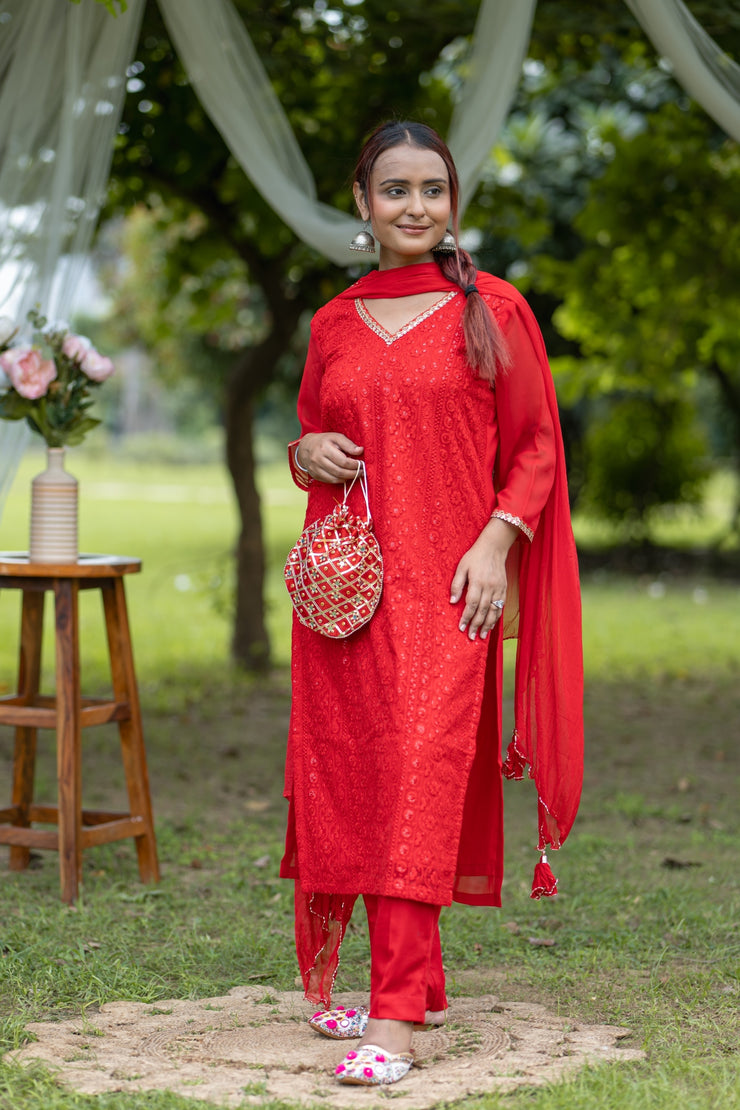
<point>16,564</point>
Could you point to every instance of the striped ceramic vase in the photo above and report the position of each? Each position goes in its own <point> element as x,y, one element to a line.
<point>54,512</point>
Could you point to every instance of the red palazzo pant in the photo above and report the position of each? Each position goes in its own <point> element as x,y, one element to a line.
<point>406,975</point>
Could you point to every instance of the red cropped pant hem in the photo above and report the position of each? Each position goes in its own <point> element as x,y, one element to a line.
<point>406,973</point>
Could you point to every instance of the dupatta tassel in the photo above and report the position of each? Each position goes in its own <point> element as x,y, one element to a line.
<point>515,763</point>
<point>545,884</point>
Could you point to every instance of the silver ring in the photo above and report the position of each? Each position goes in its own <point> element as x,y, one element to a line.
<point>497,604</point>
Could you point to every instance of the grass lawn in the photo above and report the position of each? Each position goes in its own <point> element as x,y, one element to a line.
<point>646,931</point>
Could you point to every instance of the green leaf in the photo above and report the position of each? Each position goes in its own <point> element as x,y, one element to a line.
<point>75,437</point>
<point>13,406</point>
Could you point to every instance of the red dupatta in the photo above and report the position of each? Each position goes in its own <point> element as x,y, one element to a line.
<point>543,575</point>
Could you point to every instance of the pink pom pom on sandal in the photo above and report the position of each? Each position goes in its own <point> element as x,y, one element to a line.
<point>371,1066</point>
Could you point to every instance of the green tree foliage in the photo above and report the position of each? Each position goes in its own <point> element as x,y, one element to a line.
<point>650,300</point>
<point>557,141</point>
<point>643,451</point>
<point>575,174</point>
<point>182,296</point>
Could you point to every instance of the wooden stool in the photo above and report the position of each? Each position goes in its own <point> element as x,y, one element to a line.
<point>68,712</point>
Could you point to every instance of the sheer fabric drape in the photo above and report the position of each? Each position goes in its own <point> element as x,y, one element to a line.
<point>62,80</point>
<point>708,74</point>
<point>60,102</point>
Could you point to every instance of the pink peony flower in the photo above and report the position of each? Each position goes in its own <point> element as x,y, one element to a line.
<point>29,373</point>
<point>96,366</point>
<point>76,347</point>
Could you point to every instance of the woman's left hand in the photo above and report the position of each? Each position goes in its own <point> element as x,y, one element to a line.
<point>483,570</point>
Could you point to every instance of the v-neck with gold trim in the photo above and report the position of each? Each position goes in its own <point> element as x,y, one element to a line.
<point>390,337</point>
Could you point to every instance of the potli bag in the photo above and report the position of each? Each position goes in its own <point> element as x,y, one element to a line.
<point>334,573</point>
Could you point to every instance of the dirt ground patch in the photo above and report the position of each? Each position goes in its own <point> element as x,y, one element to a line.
<point>254,1043</point>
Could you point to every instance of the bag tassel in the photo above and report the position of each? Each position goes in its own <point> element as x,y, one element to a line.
<point>545,884</point>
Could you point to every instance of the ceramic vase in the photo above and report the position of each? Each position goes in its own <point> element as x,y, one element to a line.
<point>54,512</point>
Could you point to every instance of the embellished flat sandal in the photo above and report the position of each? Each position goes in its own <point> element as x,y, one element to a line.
<point>371,1066</point>
<point>340,1024</point>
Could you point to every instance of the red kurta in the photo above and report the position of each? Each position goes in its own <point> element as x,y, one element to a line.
<point>394,766</point>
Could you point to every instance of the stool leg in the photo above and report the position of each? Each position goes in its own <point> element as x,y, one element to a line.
<point>24,762</point>
<point>69,756</point>
<point>131,731</point>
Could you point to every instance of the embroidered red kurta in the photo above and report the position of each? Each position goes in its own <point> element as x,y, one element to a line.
<point>394,765</point>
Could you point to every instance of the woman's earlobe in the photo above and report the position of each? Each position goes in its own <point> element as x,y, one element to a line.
<point>361,201</point>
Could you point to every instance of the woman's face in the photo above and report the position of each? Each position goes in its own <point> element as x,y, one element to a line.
<point>409,204</point>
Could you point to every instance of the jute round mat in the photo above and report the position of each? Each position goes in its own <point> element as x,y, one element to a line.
<point>254,1043</point>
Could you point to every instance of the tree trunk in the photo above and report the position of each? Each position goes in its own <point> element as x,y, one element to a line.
<point>250,644</point>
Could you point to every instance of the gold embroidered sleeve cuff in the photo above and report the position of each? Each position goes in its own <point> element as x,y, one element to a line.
<point>499,514</point>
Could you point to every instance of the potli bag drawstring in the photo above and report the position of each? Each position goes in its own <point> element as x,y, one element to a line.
<point>360,473</point>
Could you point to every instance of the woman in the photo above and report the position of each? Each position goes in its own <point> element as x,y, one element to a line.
<point>435,376</point>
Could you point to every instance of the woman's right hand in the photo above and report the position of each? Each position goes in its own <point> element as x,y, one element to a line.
<point>328,456</point>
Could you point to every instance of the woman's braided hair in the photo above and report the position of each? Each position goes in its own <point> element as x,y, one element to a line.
<point>485,346</point>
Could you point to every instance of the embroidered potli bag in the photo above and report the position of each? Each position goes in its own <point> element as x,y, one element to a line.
<point>334,573</point>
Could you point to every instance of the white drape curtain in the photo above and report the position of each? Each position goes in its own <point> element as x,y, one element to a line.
<point>499,47</point>
<point>62,81</point>
<point>708,74</point>
<point>213,45</point>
